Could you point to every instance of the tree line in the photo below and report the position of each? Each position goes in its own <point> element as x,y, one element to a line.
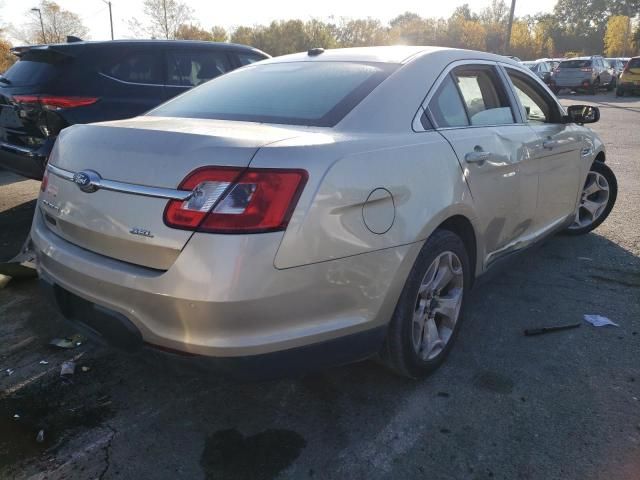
<point>574,27</point>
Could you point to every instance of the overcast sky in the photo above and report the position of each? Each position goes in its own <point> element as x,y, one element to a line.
<point>95,14</point>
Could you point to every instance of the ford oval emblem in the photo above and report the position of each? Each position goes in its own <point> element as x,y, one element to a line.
<point>87,180</point>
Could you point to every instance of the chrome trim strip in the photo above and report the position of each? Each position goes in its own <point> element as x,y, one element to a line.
<point>17,149</point>
<point>60,172</point>
<point>123,187</point>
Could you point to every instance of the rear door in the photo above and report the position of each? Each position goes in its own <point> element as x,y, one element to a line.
<point>133,82</point>
<point>472,109</point>
<point>557,151</point>
<point>188,68</point>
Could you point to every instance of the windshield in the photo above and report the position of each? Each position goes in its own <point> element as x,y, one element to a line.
<point>575,64</point>
<point>296,93</point>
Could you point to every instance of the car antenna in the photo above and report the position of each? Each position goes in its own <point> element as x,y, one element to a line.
<point>314,52</point>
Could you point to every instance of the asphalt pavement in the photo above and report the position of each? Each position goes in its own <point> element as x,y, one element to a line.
<point>504,406</point>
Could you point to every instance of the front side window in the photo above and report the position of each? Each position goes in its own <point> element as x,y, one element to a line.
<point>137,67</point>
<point>484,96</point>
<point>190,69</point>
<point>538,105</point>
<point>293,93</point>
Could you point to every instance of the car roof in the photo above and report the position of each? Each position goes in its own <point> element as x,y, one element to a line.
<point>398,54</point>
<point>85,44</point>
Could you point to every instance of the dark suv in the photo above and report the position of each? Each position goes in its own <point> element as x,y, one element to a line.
<point>54,86</point>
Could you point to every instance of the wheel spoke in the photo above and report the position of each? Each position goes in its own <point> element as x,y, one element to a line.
<point>431,339</point>
<point>444,275</point>
<point>592,188</point>
<point>448,307</point>
<point>592,207</point>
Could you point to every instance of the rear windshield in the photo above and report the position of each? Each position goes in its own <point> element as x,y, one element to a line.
<point>33,68</point>
<point>634,63</point>
<point>296,93</point>
<point>575,64</point>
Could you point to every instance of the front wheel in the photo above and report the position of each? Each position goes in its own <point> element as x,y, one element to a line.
<point>427,317</point>
<point>596,200</point>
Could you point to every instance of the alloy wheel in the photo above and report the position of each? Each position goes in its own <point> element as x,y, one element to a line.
<point>437,305</point>
<point>593,200</point>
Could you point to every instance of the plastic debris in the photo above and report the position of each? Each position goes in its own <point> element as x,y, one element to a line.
<point>10,371</point>
<point>44,362</point>
<point>67,342</point>
<point>599,321</point>
<point>4,279</point>
<point>529,332</point>
<point>585,259</point>
<point>16,416</point>
<point>67,369</point>
<point>40,436</point>
<point>85,368</point>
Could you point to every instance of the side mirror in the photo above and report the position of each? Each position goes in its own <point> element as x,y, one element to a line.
<point>582,114</point>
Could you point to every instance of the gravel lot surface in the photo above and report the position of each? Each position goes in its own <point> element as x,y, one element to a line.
<point>504,406</point>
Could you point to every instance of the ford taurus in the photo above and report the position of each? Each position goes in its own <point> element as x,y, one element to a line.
<point>316,208</point>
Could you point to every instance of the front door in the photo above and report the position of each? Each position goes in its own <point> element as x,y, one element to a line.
<point>472,110</point>
<point>558,150</point>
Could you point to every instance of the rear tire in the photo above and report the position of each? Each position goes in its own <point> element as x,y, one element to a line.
<point>428,314</point>
<point>593,89</point>
<point>597,199</point>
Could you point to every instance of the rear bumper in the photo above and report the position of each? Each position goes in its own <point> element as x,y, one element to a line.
<point>571,83</point>
<point>224,298</point>
<point>113,328</point>
<point>628,87</point>
<point>23,161</point>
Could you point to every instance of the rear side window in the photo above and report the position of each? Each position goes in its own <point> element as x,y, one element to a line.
<point>484,96</point>
<point>575,64</point>
<point>446,106</point>
<point>194,68</point>
<point>634,63</point>
<point>294,93</point>
<point>34,68</point>
<point>137,67</point>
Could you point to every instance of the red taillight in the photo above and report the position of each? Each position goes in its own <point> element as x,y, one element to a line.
<point>229,200</point>
<point>53,102</point>
<point>45,181</point>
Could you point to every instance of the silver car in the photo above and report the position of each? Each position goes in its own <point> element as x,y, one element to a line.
<point>314,209</point>
<point>583,73</point>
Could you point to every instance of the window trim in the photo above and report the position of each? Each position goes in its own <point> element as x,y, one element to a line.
<point>542,86</point>
<point>163,63</point>
<point>424,106</point>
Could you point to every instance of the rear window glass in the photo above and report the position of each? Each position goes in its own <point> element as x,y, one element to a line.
<point>634,63</point>
<point>30,70</point>
<point>575,64</point>
<point>295,93</point>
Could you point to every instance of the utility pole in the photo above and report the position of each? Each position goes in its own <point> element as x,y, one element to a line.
<point>509,26</point>
<point>44,40</point>
<point>108,2</point>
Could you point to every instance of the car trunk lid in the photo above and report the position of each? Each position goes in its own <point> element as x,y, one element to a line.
<point>140,163</point>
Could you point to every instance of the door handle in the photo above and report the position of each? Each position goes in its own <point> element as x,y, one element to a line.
<point>477,156</point>
<point>549,144</point>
